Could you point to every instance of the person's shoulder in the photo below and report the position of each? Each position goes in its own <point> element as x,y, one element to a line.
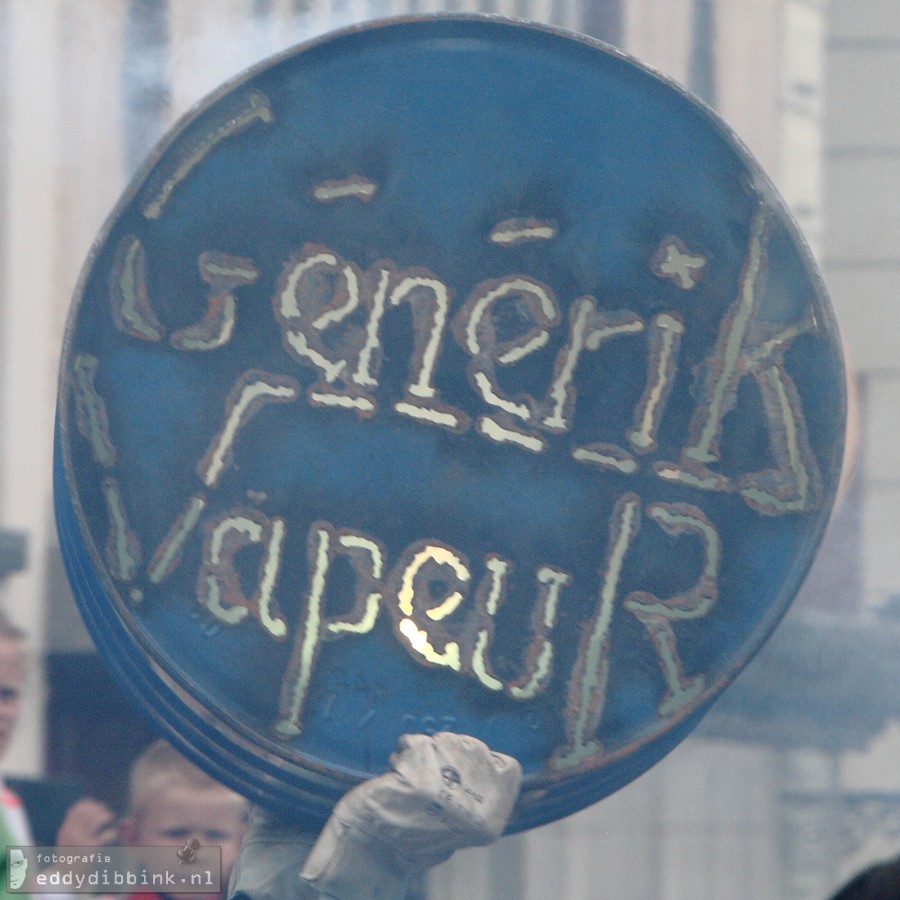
<point>880,881</point>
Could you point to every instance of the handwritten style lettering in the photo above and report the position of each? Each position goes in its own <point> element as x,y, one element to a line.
<point>444,608</point>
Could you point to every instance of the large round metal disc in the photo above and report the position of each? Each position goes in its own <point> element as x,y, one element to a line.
<point>443,374</point>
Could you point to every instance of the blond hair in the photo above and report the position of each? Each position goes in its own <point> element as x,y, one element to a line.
<point>160,767</point>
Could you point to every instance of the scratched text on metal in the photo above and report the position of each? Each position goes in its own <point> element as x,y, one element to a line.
<point>377,440</point>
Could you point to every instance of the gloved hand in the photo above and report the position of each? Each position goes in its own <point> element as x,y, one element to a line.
<point>442,793</point>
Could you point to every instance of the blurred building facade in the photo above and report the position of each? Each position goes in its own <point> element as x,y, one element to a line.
<point>748,809</point>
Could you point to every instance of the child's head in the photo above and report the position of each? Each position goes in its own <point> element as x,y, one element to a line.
<point>13,660</point>
<point>170,801</point>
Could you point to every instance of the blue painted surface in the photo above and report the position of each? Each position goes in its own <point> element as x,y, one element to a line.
<point>461,123</point>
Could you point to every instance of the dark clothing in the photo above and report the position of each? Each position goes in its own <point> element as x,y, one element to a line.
<point>879,882</point>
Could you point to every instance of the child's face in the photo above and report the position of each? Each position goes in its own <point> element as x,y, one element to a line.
<point>212,816</point>
<point>13,659</point>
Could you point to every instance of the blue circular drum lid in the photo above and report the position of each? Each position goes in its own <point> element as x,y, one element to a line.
<point>443,374</point>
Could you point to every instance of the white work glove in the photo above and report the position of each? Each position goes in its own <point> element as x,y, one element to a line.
<point>442,793</point>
